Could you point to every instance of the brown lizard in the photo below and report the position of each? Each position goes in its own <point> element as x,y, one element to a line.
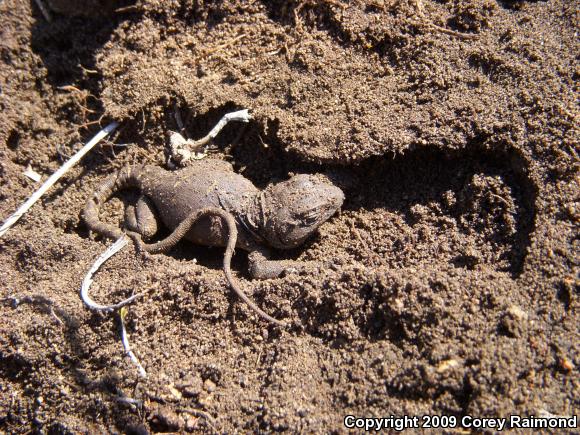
<point>211,205</point>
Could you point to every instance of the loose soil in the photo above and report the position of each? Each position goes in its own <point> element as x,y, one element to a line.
<point>448,284</point>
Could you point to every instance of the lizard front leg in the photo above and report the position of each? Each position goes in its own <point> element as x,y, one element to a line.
<point>262,268</point>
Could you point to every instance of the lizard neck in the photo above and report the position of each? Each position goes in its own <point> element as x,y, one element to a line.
<point>255,219</point>
<point>264,219</point>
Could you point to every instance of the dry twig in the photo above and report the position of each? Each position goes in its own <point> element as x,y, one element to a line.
<point>54,177</point>
<point>125,340</point>
<point>183,150</point>
<point>43,9</point>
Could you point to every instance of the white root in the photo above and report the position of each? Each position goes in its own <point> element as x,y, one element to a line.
<point>183,150</point>
<point>240,115</point>
<point>44,10</point>
<point>87,281</point>
<point>32,174</point>
<point>127,346</point>
<point>54,177</point>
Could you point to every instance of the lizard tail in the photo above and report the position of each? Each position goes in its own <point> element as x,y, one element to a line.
<point>126,177</point>
<point>181,231</point>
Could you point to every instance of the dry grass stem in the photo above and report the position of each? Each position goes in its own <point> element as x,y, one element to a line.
<point>54,177</point>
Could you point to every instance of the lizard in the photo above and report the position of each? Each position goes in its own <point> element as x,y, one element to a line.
<point>210,204</point>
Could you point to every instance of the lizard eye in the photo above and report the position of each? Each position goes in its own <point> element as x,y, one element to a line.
<point>308,217</point>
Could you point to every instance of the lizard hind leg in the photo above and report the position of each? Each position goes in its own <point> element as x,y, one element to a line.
<point>141,218</point>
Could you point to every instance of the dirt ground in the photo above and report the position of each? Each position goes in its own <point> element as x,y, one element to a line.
<point>447,285</point>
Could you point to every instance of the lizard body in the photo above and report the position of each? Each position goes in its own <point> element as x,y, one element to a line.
<point>211,205</point>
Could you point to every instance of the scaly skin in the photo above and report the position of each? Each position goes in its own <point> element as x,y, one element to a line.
<point>211,205</point>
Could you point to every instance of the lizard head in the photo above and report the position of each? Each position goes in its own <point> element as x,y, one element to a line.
<point>293,209</point>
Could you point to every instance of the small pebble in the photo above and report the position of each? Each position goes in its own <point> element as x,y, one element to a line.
<point>167,419</point>
<point>566,364</point>
<point>517,312</point>
<point>446,365</point>
<point>191,424</point>
<point>209,386</point>
<point>174,392</point>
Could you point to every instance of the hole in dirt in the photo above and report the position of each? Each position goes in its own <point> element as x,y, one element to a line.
<point>517,4</point>
<point>423,209</point>
<point>485,199</point>
<point>88,8</point>
<point>68,43</point>
<point>564,293</point>
<point>13,139</point>
<point>253,148</point>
